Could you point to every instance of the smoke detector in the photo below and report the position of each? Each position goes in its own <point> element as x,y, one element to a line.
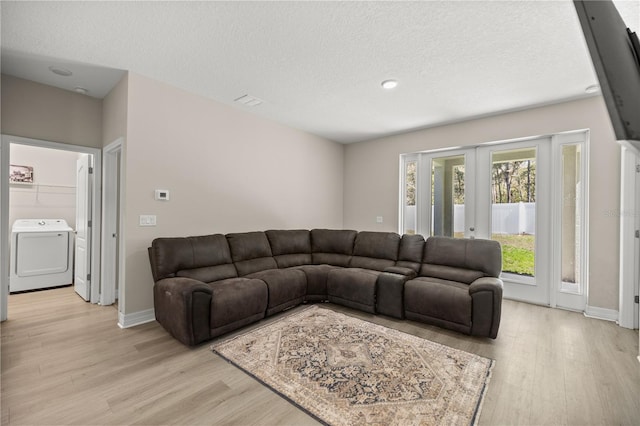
<point>60,71</point>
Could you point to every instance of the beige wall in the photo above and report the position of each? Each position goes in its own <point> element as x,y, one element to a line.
<point>372,168</point>
<point>114,112</point>
<point>227,171</point>
<point>38,111</point>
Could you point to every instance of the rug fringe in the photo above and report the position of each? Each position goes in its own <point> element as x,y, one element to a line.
<point>485,388</point>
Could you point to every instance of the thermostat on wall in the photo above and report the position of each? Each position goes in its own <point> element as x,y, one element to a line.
<point>162,194</point>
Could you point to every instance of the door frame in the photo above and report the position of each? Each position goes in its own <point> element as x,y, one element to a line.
<point>6,140</point>
<point>629,244</point>
<point>112,223</point>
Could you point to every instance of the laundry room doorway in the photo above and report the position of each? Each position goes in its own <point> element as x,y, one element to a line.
<point>45,182</point>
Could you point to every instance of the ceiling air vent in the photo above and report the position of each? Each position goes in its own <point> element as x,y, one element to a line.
<point>249,100</point>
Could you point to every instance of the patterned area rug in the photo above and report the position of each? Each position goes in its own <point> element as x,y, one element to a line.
<point>345,371</point>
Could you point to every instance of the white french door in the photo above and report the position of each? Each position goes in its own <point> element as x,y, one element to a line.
<point>519,218</point>
<point>530,195</point>
<point>446,207</point>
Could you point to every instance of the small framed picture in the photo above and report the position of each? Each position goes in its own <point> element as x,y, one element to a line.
<point>20,174</point>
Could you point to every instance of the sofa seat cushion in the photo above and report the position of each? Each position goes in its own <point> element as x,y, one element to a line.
<point>236,299</point>
<point>209,274</point>
<point>287,287</point>
<point>436,298</point>
<point>451,273</point>
<point>353,287</point>
<point>316,281</point>
<point>371,263</point>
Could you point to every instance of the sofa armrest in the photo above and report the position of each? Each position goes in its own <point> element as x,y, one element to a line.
<point>486,284</point>
<point>486,294</point>
<point>183,307</point>
<point>407,272</point>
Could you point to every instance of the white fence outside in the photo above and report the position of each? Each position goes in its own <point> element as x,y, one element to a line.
<point>507,218</point>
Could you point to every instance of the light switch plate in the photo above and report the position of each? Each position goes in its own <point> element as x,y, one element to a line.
<point>379,219</point>
<point>147,220</point>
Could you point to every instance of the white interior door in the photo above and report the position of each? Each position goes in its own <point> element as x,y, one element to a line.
<point>82,275</point>
<point>111,230</point>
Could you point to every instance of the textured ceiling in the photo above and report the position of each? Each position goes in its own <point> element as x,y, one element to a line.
<point>317,65</point>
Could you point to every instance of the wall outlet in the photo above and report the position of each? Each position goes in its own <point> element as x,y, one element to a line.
<point>147,220</point>
<point>379,219</point>
<point>162,194</point>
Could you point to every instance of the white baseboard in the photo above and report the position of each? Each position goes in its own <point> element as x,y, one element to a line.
<point>601,313</point>
<point>136,318</point>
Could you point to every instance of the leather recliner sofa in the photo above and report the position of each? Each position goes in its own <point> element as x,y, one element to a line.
<point>206,286</point>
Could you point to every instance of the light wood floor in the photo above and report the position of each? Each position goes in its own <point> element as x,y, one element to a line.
<point>66,362</point>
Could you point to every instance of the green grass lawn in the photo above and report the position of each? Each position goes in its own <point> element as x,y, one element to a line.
<point>517,253</point>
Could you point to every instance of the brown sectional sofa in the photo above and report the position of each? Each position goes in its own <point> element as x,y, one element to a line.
<point>206,286</point>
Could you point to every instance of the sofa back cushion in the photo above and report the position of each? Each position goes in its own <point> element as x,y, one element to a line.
<point>375,250</point>
<point>411,251</point>
<point>463,260</point>
<point>251,252</point>
<point>206,258</point>
<point>290,247</point>
<point>332,246</point>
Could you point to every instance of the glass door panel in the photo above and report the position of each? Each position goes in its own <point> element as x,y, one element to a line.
<point>570,268</point>
<point>409,204</point>
<point>447,196</point>
<point>513,208</point>
<point>570,212</point>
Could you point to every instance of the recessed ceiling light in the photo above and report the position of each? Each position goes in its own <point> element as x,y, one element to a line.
<point>60,71</point>
<point>389,84</point>
<point>81,90</point>
<point>594,88</point>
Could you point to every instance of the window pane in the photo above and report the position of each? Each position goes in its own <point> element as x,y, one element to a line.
<point>447,196</point>
<point>513,208</point>
<point>410,219</point>
<point>570,248</point>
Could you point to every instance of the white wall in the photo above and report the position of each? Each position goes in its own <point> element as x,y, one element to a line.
<point>372,172</point>
<point>227,170</point>
<point>53,193</point>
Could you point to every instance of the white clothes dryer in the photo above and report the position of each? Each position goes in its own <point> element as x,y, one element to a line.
<point>41,254</point>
